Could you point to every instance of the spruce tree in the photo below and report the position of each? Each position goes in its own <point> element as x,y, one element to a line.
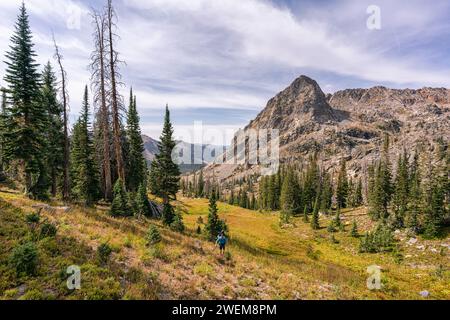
<point>342,190</point>
<point>164,173</point>
<point>214,225</point>
<point>55,130</point>
<point>400,197</point>
<point>288,200</point>
<point>26,120</point>
<point>137,166</point>
<point>85,183</point>
<point>315,216</point>
<point>142,203</point>
<point>327,194</point>
<point>120,206</point>
<point>415,195</point>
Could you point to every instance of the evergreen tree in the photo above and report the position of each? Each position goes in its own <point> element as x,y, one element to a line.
<point>2,128</point>
<point>120,205</point>
<point>55,130</point>
<point>327,194</point>
<point>289,197</point>
<point>165,174</point>
<point>85,184</point>
<point>311,185</point>
<point>26,121</point>
<point>136,162</point>
<point>342,190</point>
<point>415,194</point>
<point>400,197</point>
<point>358,197</point>
<point>382,186</point>
<point>315,216</point>
<point>142,203</point>
<point>214,225</point>
<point>200,193</point>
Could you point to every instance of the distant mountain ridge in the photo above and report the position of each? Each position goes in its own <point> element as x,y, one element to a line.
<point>348,124</point>
<point>151,150</point>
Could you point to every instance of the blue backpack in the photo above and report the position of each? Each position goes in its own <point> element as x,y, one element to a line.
<point>222,240</point>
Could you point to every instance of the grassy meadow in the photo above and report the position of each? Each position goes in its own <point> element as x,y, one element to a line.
<point>265,261</point>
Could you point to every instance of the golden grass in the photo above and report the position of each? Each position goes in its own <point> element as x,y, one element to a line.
<point>267,261</point>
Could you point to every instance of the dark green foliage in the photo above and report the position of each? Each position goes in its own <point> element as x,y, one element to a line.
<point>120,205</point>
<point>305,215</point>
<point>177,225</point>
<point>289,198</point>
<point>153,235</point>
<point>401,192</point>
<point>168,215</point>
<point>33,218</point>
<point>415,195</point>
<point>311,185</point>
<point>54,132</point>
<point>380,240</point>
<point>315,216</point>
<point>327,194</point>
<point>214,225</point>
<point>382,186</point>
<point>104,252</point>
<point>342,190</point>
<point>331,227</point>
<point>137,166</point>
<point>142,202</point>
<point>354,232</point>
<point>48,230</point>
<point>25,121</point>
<point>165,174</point>
<point>24,259</point>
<point>200,191</point>
<point>83,168</point>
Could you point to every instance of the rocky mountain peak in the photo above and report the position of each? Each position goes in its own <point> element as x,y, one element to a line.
<point>300,103</point>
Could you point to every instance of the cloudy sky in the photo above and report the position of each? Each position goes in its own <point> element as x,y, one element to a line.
<point>219,61</point>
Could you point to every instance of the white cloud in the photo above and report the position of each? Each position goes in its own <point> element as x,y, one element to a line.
<point>234,54</point>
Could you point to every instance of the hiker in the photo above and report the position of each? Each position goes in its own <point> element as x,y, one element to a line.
<point>221,242</point>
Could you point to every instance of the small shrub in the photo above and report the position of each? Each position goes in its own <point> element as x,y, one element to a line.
<point>333,239</point>
<point>153,235</point>
<point>331,227</point>
<point>104,252</point>
<point>311,253</point>
<point>48,230</point>
<point>157,252</point>
<point>33,218</point>
<point>199,230</point>
<point>24,259</point>
<point>177,224</point>
<point>50,246</point>
<point>200,220</point>
<point>380,240</point>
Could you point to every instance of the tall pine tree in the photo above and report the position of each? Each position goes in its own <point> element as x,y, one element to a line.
<point>137,166</point>
<point>55,130</point>
<point>164,173</point>
<point>26,120</point>
<point>85,182</point>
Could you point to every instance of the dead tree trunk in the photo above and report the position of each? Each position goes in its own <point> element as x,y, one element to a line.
<point>98,78</point>
<point>66,183</point>
<point>114,94</point>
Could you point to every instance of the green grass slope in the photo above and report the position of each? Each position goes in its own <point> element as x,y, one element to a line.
<point>265,262</point>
